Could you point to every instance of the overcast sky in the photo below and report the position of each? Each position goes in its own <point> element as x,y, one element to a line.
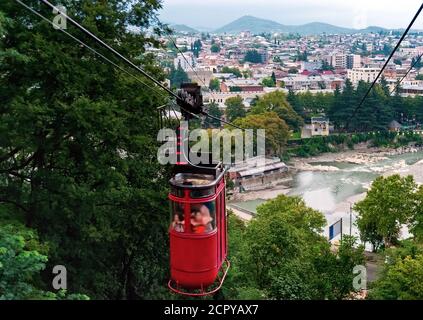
<point>350,13</point>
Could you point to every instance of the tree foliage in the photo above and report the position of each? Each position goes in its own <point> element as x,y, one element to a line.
<point>235,108</point>
<point>389,204</point>
<point>22,258</point>
<point>253,56</point>
<point>215,48</point>
<point>277,131</point>
<point>214,84</point>
<point>401,277</point>
<point>177,76</point>
<point>234,71</point>
<point>280,254</point>
<point>78,148</point>
<point>277,102</point>
<point>214,110</point>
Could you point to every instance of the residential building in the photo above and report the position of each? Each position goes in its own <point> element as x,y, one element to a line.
<point>241,85</point>
<point>339,61</point>
<point>319,126</point>
<point>363,74</point>
<point>186,61</point>
<point>353,61</point>
<point>258,173</point>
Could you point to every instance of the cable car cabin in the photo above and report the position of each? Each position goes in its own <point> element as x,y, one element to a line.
<point>198,231</point>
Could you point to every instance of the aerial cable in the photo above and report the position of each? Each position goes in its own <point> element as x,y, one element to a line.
<point>90,48</point>
<point>389,58</point>
<point>183,56</point>
<point>120,56</point>
<point>408,71</point>
<point>83,29</point>
<point>169,36</point>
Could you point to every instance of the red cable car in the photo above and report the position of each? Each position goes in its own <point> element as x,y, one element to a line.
<point>198,232</point>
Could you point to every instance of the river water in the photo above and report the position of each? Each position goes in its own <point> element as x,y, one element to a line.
<point>332,192</point>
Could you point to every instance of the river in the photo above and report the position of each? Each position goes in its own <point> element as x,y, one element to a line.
<point>332,191</point>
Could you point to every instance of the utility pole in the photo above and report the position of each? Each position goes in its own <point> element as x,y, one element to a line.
<point>350,219</point>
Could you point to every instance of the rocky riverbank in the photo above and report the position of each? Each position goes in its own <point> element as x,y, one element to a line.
<point>361,155</point>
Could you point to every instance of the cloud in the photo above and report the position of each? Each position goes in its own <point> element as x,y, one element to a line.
<point>357,13</point>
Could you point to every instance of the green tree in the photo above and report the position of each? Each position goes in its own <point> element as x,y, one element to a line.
<point>214,110</point>
<point>214,84</point>
<point>387,49</point>
<point>253,56</point>
<point>273,76</point>
<point>277,131</point>
<point>276,102</point>
<point>275,239</point>
<point>247,74</point>
<point>268,82</point>
<point>235,108</point>
<point>78,148</point>
<point>401,280</point>
<point>302,56</point>
<point>178,76</point>
<point>326,66</point>
<point>389,204</point>
<point>417,219</point>
<point>281,254</point>
<point>234,71</point>
<point>215,48</point>
<point>196,47</point>
<point>293,100</point>
<point>417,62</point>
<point>22,258</point>
<point>343,106</point>
<point>398,62</point>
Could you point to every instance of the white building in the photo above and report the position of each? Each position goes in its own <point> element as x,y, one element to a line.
<point>185,64</point>
<point>319,126</point>
<point>363,74</point>
<point>346,61</point>
<point>312,82</point>
<point>339,61</point>
<point>258,173</point>
<point>353,61</point>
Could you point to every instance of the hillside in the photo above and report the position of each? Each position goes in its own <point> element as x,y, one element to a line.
<point>250,23</point>
<point>183,28</point>
<point>258,25</point>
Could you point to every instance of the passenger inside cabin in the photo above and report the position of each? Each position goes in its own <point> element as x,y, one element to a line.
<point>178,223</point>
<point>201,220</point>
<point>206,218</point>
<point>197,222</point>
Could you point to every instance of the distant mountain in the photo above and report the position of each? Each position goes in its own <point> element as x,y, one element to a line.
<point>319,27</point>
<point>258,25</point>
<point>252,24</point>
<point>183,28</point>
<point>374,29</point>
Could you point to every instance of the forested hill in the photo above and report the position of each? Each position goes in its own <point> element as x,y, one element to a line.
<point>66,192</point>
<point>258,25</point>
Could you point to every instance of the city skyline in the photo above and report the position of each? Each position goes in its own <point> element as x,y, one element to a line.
<point>359,14</point>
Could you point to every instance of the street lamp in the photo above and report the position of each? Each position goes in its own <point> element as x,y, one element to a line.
<point>351,205</point>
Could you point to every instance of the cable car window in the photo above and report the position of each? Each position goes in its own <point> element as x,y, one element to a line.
<point>203,217</point>
<point>177,192</point>
<point>192,179</point>
<point>202,193</point>
<point>178,223</point>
